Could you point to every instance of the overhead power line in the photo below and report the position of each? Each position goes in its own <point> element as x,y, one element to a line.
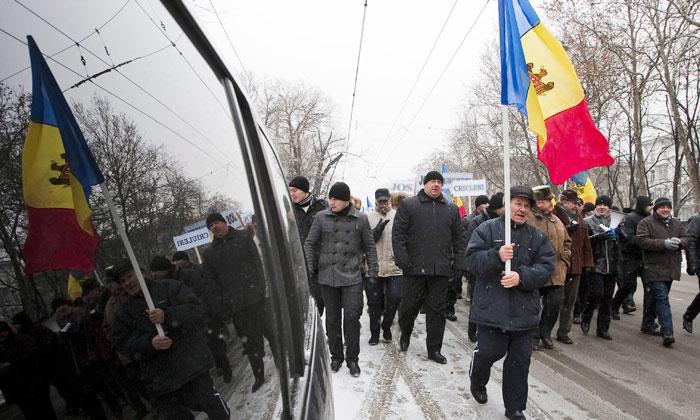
<point>415,82</point>
<point>129,104</point>
<point>442,73</point>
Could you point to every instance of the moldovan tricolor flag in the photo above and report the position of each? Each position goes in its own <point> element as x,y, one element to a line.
<point>538,77</point>
<point>58,172</point>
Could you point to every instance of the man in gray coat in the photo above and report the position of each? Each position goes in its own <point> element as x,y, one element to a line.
<point>334,247</point>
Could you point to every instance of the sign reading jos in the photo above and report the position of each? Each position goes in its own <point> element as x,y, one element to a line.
<point>469,188</point>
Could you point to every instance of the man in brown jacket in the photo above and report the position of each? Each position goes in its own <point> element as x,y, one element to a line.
<point>552,293</point>
<point>568,211</point>
<point>661,238</point>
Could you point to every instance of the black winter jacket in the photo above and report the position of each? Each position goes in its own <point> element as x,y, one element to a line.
<point>233,274</point>
<point>427,237</point>
<point>164,371</point>
<point>692,253</point>
<point>628,239</point>
<point>511,309</point>
<point>306,218</point>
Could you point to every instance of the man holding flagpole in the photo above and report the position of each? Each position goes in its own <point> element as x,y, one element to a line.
<point>507,332</point>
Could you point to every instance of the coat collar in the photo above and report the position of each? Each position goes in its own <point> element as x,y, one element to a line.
<point>423,197</point>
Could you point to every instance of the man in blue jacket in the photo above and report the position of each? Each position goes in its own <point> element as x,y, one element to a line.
<point>506,305</point>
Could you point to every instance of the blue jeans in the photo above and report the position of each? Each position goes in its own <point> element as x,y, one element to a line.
<point>658,293</point>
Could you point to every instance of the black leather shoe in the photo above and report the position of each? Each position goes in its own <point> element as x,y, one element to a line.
<point>585,327</point>
<point>547,343</point>
<point>515,415</point>
<point>336,364</point>
<point>354,369</point>
<point>668,340</point>
<point>627,310</point>
<point>451,317</point>
<point>650,331</point>
<point>479,393</point>
<point>687,325</point>
<point>374,340</point>
<point>565,340</point>
<point>436,356</point>
<point>404,341</point>
<point>604,335</point>
<point>387,334</point>
<point>615,315</point>
<point>258,383</point>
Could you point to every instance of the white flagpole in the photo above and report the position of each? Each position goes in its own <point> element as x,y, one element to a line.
<point>130,252</point>
<point>506,175</point>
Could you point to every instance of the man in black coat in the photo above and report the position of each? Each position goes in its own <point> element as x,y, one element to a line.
<point>306,206</point>
<point>632,264</point>
<point>235,289</point>
<point>507,305</point>
<point>692,254</point>
<point>174,367</point>
<point>428,244</point>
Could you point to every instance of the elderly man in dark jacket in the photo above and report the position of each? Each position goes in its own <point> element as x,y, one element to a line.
<point>692,255</point>
<point>507,305</point>
<point>428,244</point>
<point>661,238</point>
<point>338,238</point>
<point>632,264</point>
<point>306,207</point>
<point>235,289</point>
<point>602,279</point>
<point>175,367</point>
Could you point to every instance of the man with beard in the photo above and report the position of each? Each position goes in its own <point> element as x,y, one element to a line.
<point>306,206</point>
<point>602,280</point>
<point>552,293</point>
<point>661,239</point>
<point>337,239</point>
<point>632,264</point>
<point>506,304</point>
<point>428,245</point>
<point>568,211</point>
<point>384,294</point>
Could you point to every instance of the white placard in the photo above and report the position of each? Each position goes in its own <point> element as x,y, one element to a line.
<point>189,240</point>
<point>232,218</point>
<point>469,188</point>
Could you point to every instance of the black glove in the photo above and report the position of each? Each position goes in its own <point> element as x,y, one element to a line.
<point>379,229</point>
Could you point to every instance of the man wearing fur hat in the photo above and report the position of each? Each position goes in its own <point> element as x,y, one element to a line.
<point>568,211</point>
<point>552,293</point>
<point>632,264</point>
<point>306,206</point>
<point>602,279</point>
<point>428,245</point>
<point>337,240</point>
<point>384,294</point>
<point>661,238</point>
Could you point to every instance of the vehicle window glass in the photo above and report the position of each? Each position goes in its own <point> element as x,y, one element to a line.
<point>158,123</point>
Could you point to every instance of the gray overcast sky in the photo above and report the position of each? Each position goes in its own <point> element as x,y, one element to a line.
<point>317,42</point>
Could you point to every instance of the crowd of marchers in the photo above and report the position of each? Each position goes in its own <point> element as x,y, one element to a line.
<point>104,354</point>
<point>406,256</point>
<point>568,261</point>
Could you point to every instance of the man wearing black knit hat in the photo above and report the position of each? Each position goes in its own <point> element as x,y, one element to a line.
<point>428,244</point>
<point>480,205</point>
<point>306,206</point>
<point>632,265</point>
<point>602,276</point>
<point>337,239</point>
<point>661,238</point>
